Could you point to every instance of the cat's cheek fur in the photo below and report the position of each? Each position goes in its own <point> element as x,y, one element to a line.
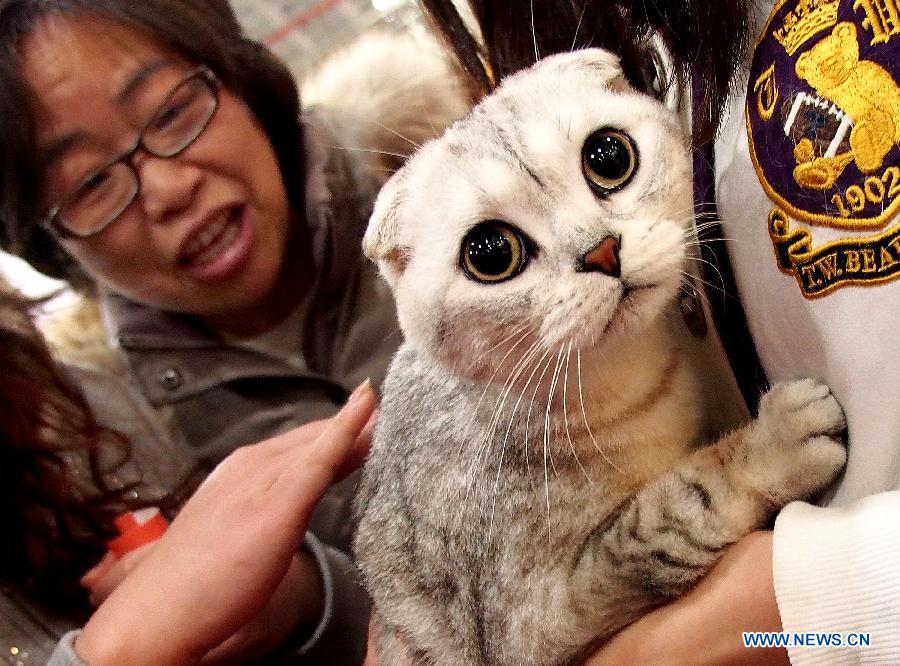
<point>481,339</point>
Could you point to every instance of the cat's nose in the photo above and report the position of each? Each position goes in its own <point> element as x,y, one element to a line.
<point>603,258</point>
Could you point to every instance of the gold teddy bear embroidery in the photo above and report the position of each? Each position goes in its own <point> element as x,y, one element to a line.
<point>864,91</point>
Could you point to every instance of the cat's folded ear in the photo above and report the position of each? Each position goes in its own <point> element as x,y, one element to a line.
<point>598,62</point>
<point>381,242</point>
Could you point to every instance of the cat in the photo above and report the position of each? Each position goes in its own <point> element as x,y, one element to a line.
<point>535,481</point>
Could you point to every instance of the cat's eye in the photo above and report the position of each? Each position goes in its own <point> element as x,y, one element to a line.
<point>608,160</point>
<point>493,251</point>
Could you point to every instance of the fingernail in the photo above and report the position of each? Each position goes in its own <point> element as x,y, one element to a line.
<point>359,390</point>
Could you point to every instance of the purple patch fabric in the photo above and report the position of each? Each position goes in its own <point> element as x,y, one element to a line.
<point>823,122</point>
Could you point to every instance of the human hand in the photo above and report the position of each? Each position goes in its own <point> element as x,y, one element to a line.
<point>224,555</point>
<point>704,627</point>
<point>373,658</point>
<point>106,575</point>
<point>297,600</point>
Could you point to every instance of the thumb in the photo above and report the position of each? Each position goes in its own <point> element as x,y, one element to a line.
<point>95,573</point>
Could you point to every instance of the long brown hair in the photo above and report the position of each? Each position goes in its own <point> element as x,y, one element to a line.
<point>706,39</point>
<point>55,522</point>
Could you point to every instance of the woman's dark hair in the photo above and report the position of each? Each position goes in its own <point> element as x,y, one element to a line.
<point>705,39</point>
<point>55,458</point>
<point>201,31</point>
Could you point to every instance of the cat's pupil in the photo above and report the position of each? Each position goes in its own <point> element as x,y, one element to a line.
<point>608,157</point>
<point>492,251</point>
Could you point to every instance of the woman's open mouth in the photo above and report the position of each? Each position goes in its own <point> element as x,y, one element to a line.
<point>220,249</point>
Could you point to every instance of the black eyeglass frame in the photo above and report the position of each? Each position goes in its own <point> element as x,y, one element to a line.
<point>54,222</point>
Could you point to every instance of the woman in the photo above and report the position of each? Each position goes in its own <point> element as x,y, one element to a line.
<point>158,153</point>
<point>225,232</point>
<point>803,162</point>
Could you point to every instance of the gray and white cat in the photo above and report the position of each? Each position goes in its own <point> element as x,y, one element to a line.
<point>535,482</point>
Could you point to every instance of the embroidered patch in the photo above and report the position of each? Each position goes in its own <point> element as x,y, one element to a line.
<point>823,121</point>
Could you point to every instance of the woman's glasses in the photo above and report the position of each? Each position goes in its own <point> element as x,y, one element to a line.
<point>101,197</point>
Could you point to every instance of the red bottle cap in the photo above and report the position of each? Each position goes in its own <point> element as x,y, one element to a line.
<point>137,528</point>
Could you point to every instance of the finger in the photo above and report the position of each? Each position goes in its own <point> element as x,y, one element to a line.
<point>372,657</point>
<point>117,571</point>
<point>304,434</point>
<point>103,587</point>
<point>336,442</point>
<point>309,432</point>
<point>95,573</point>
<point>314,468</point>
<point>360,449</point>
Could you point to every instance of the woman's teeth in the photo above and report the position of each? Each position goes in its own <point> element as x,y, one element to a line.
<point>213,240</point>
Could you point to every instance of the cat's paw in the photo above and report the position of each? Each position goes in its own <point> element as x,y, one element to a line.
<point>795,446</point>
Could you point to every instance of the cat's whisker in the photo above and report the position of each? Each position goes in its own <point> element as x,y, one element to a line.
<point>518,371</point>
<point>704,242</point>
<point>481,453</point>
<point>397,134</point>
<point>713,267</point>
<point>495,411</point>
<point>701,235</point>
<point>565,408</point>
<point>703,225</point>
<point>515,332</point>
<point>701,293</point>
<point>587,422</point>
<point>509,428</point>
<point>694,230</point>
<point>528,416</point>
<point>550,395</point>
<point>537,55</point>
<point>372,151</point>
<point>490,383</point>
<point>520,368</point>
<point>578,25</point>
<point>547,445</point>
<point>396,333</point>
<point>546,470</point>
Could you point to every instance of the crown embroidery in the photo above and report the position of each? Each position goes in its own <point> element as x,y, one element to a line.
<point>808,18</point>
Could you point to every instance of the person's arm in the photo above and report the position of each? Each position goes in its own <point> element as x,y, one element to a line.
<point>704,627</point>
<point>833,572</point>
<point>223,557</point>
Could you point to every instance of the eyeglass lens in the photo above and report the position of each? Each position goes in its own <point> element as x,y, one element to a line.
<point>105,194</point>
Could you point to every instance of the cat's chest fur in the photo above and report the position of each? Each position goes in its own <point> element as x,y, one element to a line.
<point>487,504</point>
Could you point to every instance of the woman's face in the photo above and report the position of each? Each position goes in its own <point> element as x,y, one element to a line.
<point>206,233</point>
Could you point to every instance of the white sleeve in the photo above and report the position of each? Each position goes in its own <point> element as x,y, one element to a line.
<point>838,570</point>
